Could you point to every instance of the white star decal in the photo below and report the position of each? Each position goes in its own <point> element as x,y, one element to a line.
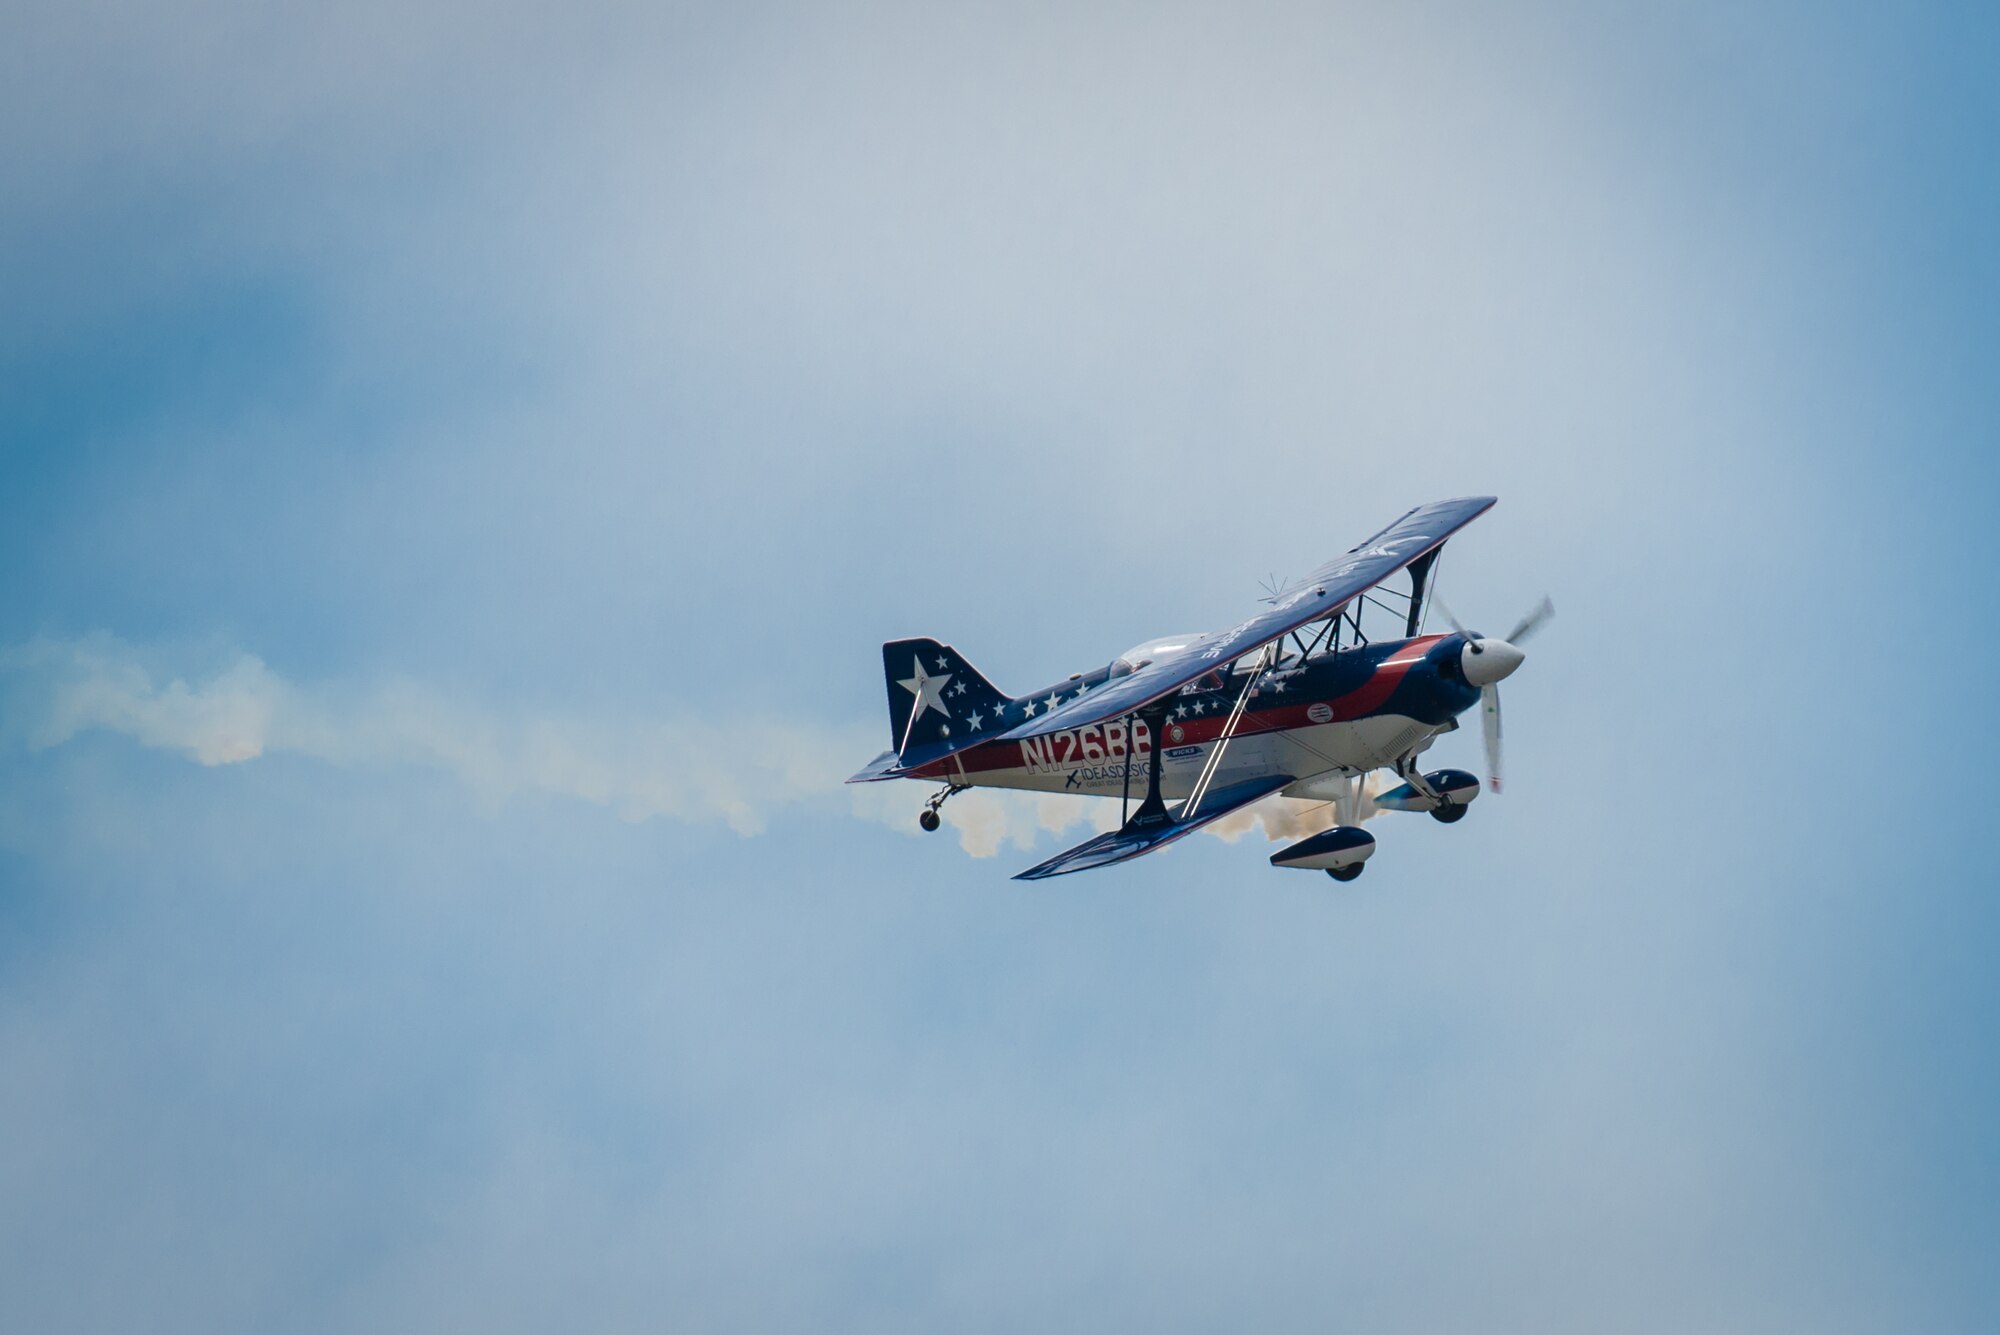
<point>929,690</point>
<point>1181,712</point>
<point>943,663</point>
<point>972,720</point>
<point>1028,710</point>
<point>1051,702</point>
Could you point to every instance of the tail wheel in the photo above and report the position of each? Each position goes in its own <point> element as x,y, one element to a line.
<point>929,819</point>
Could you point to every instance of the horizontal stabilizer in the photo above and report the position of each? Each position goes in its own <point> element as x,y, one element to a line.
<point>880,768</point>
<point>1137,840</point>
<point>911,763</point>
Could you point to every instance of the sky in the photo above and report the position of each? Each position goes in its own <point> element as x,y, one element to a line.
<point>460,463</point>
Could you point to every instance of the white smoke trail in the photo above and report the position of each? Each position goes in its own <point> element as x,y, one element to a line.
<point>698,771</point>
<point>1287,818</point>
<point>987,819</point>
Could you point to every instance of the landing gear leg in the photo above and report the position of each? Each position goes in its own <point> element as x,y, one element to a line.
<point>1407,771</point>
<point>929,818</point>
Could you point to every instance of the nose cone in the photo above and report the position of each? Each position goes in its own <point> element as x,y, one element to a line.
<point>1487,661</point>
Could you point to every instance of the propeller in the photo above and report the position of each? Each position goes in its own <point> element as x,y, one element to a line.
<point>1437,601</point>
<point>1486,663</point>
<point>1489,717</point>
<point>1274,588</point>
<point>1526,627</point>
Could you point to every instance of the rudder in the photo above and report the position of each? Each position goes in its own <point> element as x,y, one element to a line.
<point>955,699</point>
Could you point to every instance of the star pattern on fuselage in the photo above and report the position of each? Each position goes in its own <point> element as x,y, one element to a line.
<point>933,690</point>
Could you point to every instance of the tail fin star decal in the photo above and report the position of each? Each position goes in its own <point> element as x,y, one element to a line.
<point>927,704</point>
<point>929,690</point>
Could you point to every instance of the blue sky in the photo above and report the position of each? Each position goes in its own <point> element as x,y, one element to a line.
<point>460,463</point>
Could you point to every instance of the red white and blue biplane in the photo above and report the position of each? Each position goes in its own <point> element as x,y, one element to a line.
<point>1295,701</point>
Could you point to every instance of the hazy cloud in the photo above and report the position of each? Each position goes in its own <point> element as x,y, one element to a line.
<point>565,402</point>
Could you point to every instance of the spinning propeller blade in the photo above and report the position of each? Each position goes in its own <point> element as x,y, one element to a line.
<point>1439,603</point>
<point>1489,714</point>
<point>1532,622</point>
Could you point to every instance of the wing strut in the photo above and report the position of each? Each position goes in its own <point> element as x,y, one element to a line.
<point>1131,749</point>
<point>1420,570</point>
<point>1228,730</point>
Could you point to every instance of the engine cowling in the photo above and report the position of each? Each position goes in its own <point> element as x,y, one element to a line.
<point>1329,850</point>
<point>1455,785</point>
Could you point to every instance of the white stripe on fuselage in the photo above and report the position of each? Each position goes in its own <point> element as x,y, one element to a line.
<point>1363,744</point>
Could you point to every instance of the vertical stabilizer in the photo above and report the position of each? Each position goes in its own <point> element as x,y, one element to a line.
<point>934,694</point>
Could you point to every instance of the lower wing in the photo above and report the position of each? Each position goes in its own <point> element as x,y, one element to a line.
<point>1138,840</point>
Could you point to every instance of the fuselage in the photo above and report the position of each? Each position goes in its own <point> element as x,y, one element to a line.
<point>1349,711</point>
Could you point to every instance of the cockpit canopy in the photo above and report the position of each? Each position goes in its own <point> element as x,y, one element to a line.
<point>1139,655</point>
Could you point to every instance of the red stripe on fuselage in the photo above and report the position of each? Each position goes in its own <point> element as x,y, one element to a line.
<point>1369,696</point>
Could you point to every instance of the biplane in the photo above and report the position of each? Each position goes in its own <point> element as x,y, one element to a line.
<point>1294,701</point>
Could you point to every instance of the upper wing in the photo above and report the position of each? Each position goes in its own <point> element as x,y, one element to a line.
<point>1359,569</point>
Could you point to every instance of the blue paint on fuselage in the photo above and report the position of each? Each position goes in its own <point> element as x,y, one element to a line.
<point>1432,690</point>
